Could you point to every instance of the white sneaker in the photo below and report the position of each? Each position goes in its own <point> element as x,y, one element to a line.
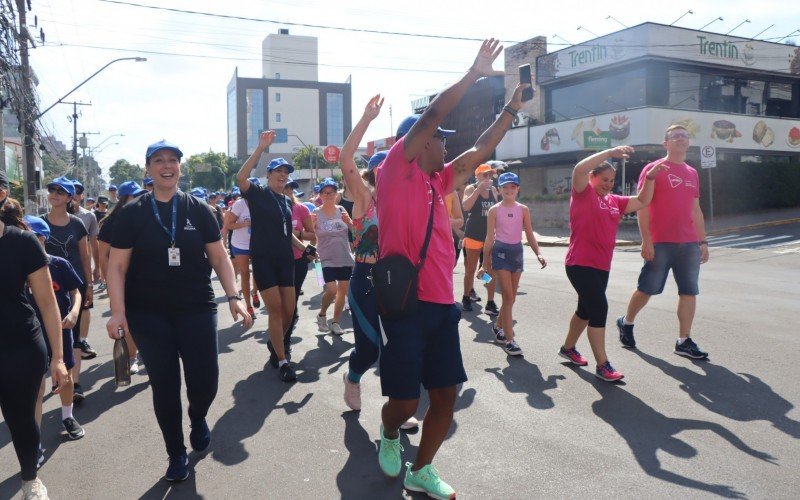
<point>411,423</point>
<point>322,324</point>
<point>336,329</point>
<point>134,366</point>
<point>34,490</point>
<point>352,394</point>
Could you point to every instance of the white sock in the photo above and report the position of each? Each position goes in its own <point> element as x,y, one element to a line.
<point>66,412</point>
<point>681,341</point>
<point>625,321</point>
<point>282,362</point>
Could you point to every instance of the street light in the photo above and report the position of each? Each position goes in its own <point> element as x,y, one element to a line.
<point>312,158</point>
<point>107,138</point>
<point>741,23</point>
<point>682,16</point>
<point>711,22</point>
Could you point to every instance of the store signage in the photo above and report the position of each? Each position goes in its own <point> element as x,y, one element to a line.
<point>596,140</point>
<point>708,156</point>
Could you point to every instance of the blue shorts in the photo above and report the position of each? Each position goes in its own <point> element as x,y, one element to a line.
<point>68,354</point>
<point>330,274</point>
<point>423,348</point>
<point>506,257</point>
<point>682,258</point>
<point>238,251</point>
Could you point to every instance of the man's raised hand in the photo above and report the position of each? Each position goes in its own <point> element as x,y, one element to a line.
<point>266,139</point>
<point>489,51</point>
<point>373,108</point>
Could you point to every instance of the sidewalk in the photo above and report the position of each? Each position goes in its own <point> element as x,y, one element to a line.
<point>628,234</point>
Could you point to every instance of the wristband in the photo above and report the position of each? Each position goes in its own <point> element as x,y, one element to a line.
<point>704,242</point>
<point>511,111</point>
<point>233,297</point>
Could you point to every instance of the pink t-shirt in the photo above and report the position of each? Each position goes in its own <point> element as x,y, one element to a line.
<point>403,194</point>
<point>508,223</point>
<point>673,200</point>
<point>593,221</point>
<point>299,214</point>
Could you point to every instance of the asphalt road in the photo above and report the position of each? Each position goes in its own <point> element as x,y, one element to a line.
<point>784,238</point>
<point>528,427</point>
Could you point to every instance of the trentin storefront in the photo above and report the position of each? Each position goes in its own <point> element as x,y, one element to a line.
<point>738,94</point>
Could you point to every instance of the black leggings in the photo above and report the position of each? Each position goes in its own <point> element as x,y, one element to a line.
<point>300,273</point>
<point>82,315</point>
<point>590,283</point>
<point>164,340</point>
<point>22,367</point>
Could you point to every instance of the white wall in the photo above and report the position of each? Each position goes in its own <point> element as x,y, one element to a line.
<point>282,53</point>
<point>299,109</point>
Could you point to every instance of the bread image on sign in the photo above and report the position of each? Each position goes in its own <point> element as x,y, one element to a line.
<point>763,135</point>
<point>690,125</point>
<point>580,128</point>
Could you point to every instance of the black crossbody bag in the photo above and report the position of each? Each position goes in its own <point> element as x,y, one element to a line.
<point>395,278</point>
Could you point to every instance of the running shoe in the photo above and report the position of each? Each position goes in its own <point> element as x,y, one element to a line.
<point>389,455</point>
<point>322,323</point>
<point>256,300</point>
<point>134,365</point>
<point>573,355</point>
<point>34,490</point>
<point>200,435</point>
<point>608,373</point>
<point>73,428</point>
<point>77,393</point>
<point>466,303</point>
<point>251,312</point>
<point>40,457</point>
<point>411,423</point>
<point>426,480</point>
<point>499,336</point>
<point>491,308</point>
<point>178,469</point>
<point>625,333</point>
<point>86,350</point>
<point>286,373</point>
<point>474,296</point>
<point>352,393</point>
<point>336,329</point>
<point>512,348</point>
<point>689,349</point>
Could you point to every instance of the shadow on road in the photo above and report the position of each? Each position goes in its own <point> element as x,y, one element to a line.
<point>522,376</point>
<point>647,432</point>
<point>163,489</point>
<point>738,396</point>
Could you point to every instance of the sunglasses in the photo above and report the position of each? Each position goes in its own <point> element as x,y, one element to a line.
<point>57,190</point>
<point>443,139</point>
<point>678,135</point>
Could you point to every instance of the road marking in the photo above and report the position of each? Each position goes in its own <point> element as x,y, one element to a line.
<point>725,243</point>
<point>757,242</point>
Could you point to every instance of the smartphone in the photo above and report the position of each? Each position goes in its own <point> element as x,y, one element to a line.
<point>525,77</point>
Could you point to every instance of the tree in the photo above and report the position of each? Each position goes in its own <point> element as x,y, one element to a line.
<point>210,170</point>
<point>56,165</point>
<point>309,157</point>
<point>123,170</point>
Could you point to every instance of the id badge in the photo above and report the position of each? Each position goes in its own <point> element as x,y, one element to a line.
<point>174,257</point>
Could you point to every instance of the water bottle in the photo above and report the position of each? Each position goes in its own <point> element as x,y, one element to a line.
<point>122,367</point>
<point>318,271</point>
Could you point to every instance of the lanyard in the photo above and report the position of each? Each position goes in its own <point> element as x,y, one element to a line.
<point>174,217</point>
<point>283,208</point>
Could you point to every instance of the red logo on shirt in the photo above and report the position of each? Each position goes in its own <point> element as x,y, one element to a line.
<point>56,286</point>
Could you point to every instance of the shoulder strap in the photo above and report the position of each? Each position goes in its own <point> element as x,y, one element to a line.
<point>424,251</point>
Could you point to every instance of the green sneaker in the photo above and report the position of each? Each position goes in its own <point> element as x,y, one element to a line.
<point>426,480</point>
<point>389,455</point>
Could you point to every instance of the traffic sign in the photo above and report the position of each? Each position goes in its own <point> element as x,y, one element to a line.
<point>331,154</point>
<point>708,156</point>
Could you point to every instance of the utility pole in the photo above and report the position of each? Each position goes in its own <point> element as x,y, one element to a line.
<point>74,120</point>
<point>2,121</point>
<point>28,106</point>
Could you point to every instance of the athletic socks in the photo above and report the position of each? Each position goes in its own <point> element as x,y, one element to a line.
<point>66,412</point>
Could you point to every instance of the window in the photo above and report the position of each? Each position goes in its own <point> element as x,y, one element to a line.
<point>335,118</point>
<point>277,76</point>
<point>277,117</point>
<point>684,90</point>
<point>612,93</point>
<point>232,123</point>
<point>277,97</point>
<point>255,117</point>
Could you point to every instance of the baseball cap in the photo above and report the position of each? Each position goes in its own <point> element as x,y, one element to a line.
<point>254,180</point>
<point>162,144</point>
<point>236,191</point>
<point>299,194</point>
<point>128,188</point>
<point>78,186</point>
<point>292,184</point>
<point>409,122</point>
<point>198,193</point>
<point>377,159</point>
<point>64,184</point>
<point>38,226</point>
<point>279,162</point>
<point>317,188</point>
<point>498,165</point>
<point>508,178</point>
<point>102,199</point>
<point>483,169</point>
<point>328,182</point>
<point>112,187</point>
<point>148,181</point>
<point>89,199</point>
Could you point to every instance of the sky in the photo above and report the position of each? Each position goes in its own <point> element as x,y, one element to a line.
<point>179,93</point>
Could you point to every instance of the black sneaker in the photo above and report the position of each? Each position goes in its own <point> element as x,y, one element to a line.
<point>77,393</point>
<point>86,350</point>
<point>73,428</point>
<point>474,296</point>
<point>491,308</point>
<point>513,349</point>
<point>286,373</point>
<point>200,436</point>
<point>499,336</point>
<point>466,303</point>
<point>689,349</point>
<point>178,469</point>
<point>625,333</point>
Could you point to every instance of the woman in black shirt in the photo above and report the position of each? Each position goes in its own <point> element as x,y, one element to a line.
<point>23,355</point>
<point>162,251</point>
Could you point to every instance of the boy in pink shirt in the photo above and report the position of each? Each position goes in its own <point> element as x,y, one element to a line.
<point>673,237</point>
<point>423,348</point>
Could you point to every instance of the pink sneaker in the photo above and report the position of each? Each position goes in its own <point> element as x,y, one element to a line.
<point>608,373</point>
<point>573,355</point>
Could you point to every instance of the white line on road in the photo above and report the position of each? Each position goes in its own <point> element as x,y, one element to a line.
<point>758,241</point>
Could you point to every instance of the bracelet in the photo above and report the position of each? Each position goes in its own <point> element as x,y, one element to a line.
<point>234,297</point>
<point>703,242</point>
<point>511,111</point>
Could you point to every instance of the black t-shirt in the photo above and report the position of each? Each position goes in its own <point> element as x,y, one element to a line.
<point>21,254</point>
<point>65,279</point>
<point>151,284</point>
<point>63,241</point>
<point>271,223</point>
<point>99,215</point>
<point>107,229</point>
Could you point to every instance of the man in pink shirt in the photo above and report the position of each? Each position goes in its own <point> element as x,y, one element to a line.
<point>673,237</point>
<point>424,348</point>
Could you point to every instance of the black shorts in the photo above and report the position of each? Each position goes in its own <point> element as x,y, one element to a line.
<point>269,271</point>
<point>330,274</point>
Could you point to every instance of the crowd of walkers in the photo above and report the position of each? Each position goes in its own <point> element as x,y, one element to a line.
<point>153,246</point>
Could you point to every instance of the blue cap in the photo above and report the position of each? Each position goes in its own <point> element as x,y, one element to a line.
<point>77,185</point>
<point>112,187</point>
<point>292,183</point>
<point>140,192</point>
<point>409,122</point>
<point>254,180</point>
<point>310,206</point>
<point>236,191</point>
<point>328,182</point>
<point>299,194</point>
<point>38,226</point>
<point>64,183</point>
<point>128,188</point>
<point>148,181</point>
<point>317,188</point>
<point>508,178</point>
<point>90,199</point>
<point>279,162</point>
<point>377,159</point>
<point>198,192</point>
<point>158,146</point>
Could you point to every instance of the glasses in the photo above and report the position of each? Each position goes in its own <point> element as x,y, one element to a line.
<point>57,190</point>
<point>443,139</point>
<point>678,135</point>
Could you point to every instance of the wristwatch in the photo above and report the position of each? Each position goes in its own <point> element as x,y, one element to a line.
<point>234,297</point>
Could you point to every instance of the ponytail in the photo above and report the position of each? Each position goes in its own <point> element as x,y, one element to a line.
<point>11,214</point>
